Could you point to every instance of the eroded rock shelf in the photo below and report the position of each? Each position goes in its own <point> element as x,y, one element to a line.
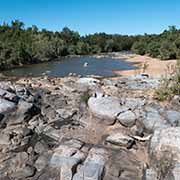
<point>87,129</point>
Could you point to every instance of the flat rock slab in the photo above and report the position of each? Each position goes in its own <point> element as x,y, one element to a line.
<point>152,120</point>
<point>106,108</point>
<point>66,157</point>
<point>93,166</point>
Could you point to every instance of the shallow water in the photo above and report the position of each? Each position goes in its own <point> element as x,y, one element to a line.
<point>63,66</point>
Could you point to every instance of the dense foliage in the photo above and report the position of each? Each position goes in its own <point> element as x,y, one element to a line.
<point>19,45</point>
<point>164,46</point>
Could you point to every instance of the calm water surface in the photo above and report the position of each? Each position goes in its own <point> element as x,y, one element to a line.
<point>62,67</point>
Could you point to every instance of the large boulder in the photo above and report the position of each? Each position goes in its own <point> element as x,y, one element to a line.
<point>164,152</point>
<point>166,141</point>
<point>106,108</point>
<point>151,119</point>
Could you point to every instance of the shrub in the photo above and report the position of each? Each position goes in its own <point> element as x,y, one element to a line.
<point>169,87</point>
<point>85,96</point>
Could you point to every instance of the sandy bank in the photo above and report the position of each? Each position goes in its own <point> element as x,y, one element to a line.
<point>146,64</point>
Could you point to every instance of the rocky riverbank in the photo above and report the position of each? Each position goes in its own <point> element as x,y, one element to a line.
<point>87,129</point>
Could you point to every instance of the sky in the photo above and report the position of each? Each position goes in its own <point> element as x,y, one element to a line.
<point>130,17</point>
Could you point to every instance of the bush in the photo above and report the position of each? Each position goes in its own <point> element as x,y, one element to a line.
<point>85,96</point>
<point>169,87</point>
<point>139,47</point>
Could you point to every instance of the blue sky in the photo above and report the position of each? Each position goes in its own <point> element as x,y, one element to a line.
<point>89,16</point>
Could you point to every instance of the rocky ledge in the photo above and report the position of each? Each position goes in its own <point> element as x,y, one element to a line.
<point>87,129</point>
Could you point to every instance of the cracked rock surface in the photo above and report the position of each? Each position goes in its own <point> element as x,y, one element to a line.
<point>87,129</point>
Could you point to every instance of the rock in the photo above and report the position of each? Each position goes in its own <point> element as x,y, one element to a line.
<point>39,148</point>
<point>166,141</point>
<point>66,113</point>
<point>108,82</point>
<point>6,106</point>
<point>120,138</point>
<point>127,118</point>
<point>63,154</point>
<point>176,102</point>
<point>88,81</point>
<point>4,139</point>
<point>106,108</point>
<point>25,172</point>
<point>42,161</point>
<point>137,77</point>
<point>6,85</point>
<point>173,117</point>
<point>93,167</point>
<point>49,131</point>
<point>67,157</point>
<point>8,95</point>
<point>26,131</point>
<point>151,119</point>
<point>134,103</point>
<point>150,174</point>
<point>25,112</point>
<point>139,82</point>
<point>175,172</point>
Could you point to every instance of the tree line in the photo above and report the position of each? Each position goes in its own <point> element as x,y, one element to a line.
<point>20,45</point>
<point>164,46</point>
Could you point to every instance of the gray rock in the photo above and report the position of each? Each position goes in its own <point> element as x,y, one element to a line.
<point>134,103</point>
<point>176,172</point>
<point>93,167</point>
<point>67,157</point>
<point>39,148</point>
<point>4,139</point>
<point>25,172</point>
<point>8,95</point>
<point>119,138</point>
<point>6,85</point>
<point>6,106</point>
<point>166,141</point>
<point>127,118</point>
<point>106,108</point>
<point>42,161</point>
<point>151,119</point>
<point>173,117</point>
<point>50,132</point>
<point>150,174</point>
<point>24,112</point>
<point>66,113</point>
<point>88,81</point>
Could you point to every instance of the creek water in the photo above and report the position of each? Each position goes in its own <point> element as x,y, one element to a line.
<point>83,65</point>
